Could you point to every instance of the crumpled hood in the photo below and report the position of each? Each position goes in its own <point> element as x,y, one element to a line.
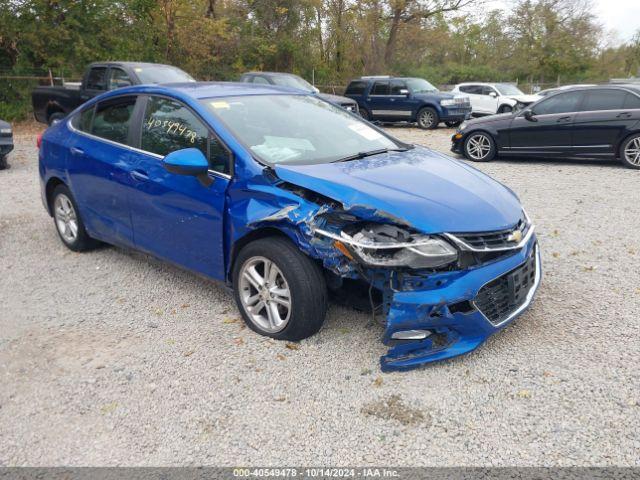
<point>430,191</point>
<point>525,99</point>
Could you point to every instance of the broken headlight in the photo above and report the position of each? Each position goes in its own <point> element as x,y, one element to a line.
<point>384,245</point>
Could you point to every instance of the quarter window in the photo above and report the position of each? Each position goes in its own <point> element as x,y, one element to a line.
<point>472,89</point>
<point>112,119</point>
<point>380,88</point>
<point>632,101</point>
<point>169,126</point>
<point>356,88</point>
<point>97,79</point>
<point>560,103</point>
<point>604,100</point>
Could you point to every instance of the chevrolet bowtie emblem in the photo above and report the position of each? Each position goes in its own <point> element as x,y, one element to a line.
<point>515,236</point>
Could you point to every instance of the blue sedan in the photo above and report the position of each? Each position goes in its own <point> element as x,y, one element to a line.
<point>288,199</point>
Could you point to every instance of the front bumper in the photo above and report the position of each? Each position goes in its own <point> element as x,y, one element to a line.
<point>445,305</point>
<point>6,145</point>
<point>453,114</point>
<point>457,143</point>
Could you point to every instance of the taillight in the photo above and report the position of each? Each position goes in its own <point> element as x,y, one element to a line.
<point>39,140</point>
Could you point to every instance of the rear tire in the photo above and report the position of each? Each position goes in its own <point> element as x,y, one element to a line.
<point>66,218</point>
<point>285,303</point>
<point>630,152</point>
<point>479,147</point>
<point>427,118</point>
<point>453,124</point>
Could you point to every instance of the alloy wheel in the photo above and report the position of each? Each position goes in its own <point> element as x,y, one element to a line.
<point>66,218</point>
<point>478,147</point>
<point>426,118</point>
<point>632,152</point>
<point>265,294</point>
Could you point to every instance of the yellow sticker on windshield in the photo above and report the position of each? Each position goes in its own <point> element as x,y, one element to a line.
<point>220,104</point>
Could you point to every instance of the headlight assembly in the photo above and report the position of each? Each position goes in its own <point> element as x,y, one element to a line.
<point>448,102</point>
<point>5,131</point>
<point>463,125</point>
<point>383,245</point>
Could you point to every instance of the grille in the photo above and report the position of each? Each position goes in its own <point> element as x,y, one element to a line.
<point>501,297</point>
<point>502,239</point>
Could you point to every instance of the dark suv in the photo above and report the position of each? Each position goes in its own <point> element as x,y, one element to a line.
<point>391,99</point>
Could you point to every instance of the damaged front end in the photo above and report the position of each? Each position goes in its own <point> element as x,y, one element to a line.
<point>438,295</point>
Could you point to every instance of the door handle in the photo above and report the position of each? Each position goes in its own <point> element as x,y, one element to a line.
<point>139,175</point>
<point>76,151</point>
<point>564,119</point>
<point>624,115</point>
<point>392,99</point>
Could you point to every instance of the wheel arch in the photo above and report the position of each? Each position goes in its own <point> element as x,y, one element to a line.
<point>618,150</point>
<point>51,185</point>
<point>53,107</point>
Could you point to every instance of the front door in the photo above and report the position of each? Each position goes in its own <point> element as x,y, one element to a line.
<point>177,217</point>
<point>548,131</point>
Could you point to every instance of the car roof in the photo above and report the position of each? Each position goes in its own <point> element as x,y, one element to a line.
<point>271,74</point>
<point>130,64</point>
<point>200,90</point>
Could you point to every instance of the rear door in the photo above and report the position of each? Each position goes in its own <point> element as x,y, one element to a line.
<point>378,99</point>
<point>99,165</point>
<point>176,217</point>
<point>549,132</point>
<point>488,99</point>
<point>604,120</point>
<point>475,97</point>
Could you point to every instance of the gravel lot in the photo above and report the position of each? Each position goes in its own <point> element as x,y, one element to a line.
<point>114,358</point>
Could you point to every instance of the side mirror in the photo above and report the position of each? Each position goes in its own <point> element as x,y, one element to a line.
<point>404,91</point>
<point>530,116</point>
<point>493,94</point>
<point>189,161</point>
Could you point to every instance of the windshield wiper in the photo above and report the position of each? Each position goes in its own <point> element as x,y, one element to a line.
<point>360,155</point>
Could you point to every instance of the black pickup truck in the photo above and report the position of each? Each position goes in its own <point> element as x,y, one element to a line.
<point>51,104</point>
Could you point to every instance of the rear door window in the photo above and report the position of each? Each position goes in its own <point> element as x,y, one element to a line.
<point>112,119</point>
<point>97,79</point>
<point>168,126</point>
<point>82,121</point>
<point>380,88</point>
<point>260,80</point>
<point>605,99</point>
<point>560,103</point>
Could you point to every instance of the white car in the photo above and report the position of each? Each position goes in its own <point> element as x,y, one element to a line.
<point>491,98</point>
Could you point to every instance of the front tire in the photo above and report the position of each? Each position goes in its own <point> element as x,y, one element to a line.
<point>479,147</point>
<point>280,292</point>
<point>630,152</point>
<point>427,118</point>
<point>68,222</point>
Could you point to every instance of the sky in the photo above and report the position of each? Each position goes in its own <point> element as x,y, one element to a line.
<point>621,16</point>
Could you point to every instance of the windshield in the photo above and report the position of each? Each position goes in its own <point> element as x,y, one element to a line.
<point>293,81</point>
<point>297,129</point>
<point>420,85</point>
<point>506,89</point>
<point>162,74</point>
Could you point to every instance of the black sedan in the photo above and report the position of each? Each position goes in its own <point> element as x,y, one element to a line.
<point>6,143</point>
<point>291,80</point>
<point>589,122</point>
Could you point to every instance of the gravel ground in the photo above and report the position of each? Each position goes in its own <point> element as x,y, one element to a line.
<point>114,358</point>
